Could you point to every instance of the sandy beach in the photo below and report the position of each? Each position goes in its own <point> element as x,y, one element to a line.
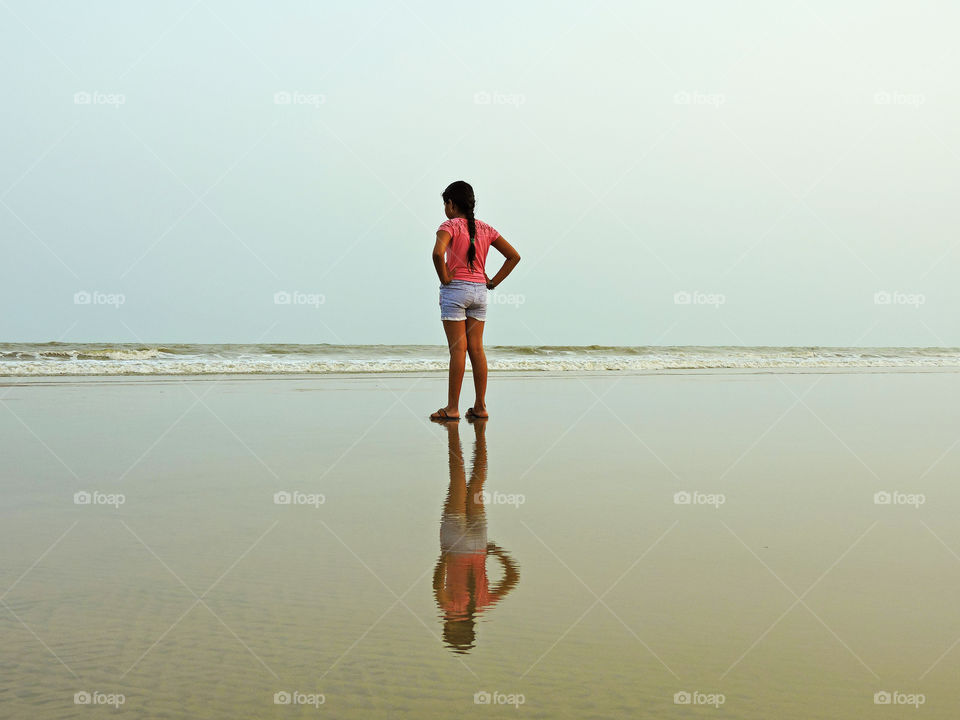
<point>698,261</point>
<point>688,544</point>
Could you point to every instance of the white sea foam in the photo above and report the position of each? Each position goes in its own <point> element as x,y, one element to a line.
<point>119,359</point>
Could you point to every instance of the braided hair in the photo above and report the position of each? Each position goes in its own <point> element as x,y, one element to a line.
<point>461,194</point>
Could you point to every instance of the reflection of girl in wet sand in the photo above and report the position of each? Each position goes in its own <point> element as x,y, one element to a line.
<point>460,582</point>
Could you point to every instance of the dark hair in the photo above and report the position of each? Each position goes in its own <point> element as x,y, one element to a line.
<point>461,194</point>
<point>460,635</point>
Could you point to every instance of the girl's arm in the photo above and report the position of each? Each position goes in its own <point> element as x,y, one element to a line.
<point>510,574</point>
<point>512,258</point>
<point>439,251</point>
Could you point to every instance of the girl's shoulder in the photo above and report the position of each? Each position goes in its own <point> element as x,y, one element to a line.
<point>488,228</point>
<point>450,225</point>
<point>459,223</point>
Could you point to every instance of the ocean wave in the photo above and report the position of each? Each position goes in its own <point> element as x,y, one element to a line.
<point>85,354</point>
<point>89,359</point>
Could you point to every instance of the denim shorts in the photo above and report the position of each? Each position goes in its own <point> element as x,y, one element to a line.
<point>460,299</point>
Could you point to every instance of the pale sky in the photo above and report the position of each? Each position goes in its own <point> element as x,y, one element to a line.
<point>791,166</point>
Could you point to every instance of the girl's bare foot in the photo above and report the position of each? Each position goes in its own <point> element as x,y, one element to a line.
<point>478,413</point>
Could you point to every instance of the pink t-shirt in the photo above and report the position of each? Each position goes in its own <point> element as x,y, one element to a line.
<point>459,244</point>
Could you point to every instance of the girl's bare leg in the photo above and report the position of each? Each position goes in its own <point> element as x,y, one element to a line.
<point>457,494</point>
<point>478,474</point>
<point>478,364</point>
<point>457,342</point>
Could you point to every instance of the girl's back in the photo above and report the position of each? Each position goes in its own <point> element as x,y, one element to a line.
<point>456,255</point>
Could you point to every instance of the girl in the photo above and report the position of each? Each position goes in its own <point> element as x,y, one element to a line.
<point>459,257</point>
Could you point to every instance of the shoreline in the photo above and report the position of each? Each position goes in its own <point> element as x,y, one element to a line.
<point>125,359</point>
<point>21,380</point>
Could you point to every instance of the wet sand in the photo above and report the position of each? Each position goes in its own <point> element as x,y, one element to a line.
<point>784,588</point>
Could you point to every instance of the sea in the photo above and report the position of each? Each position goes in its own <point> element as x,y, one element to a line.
<point>56,358</point>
